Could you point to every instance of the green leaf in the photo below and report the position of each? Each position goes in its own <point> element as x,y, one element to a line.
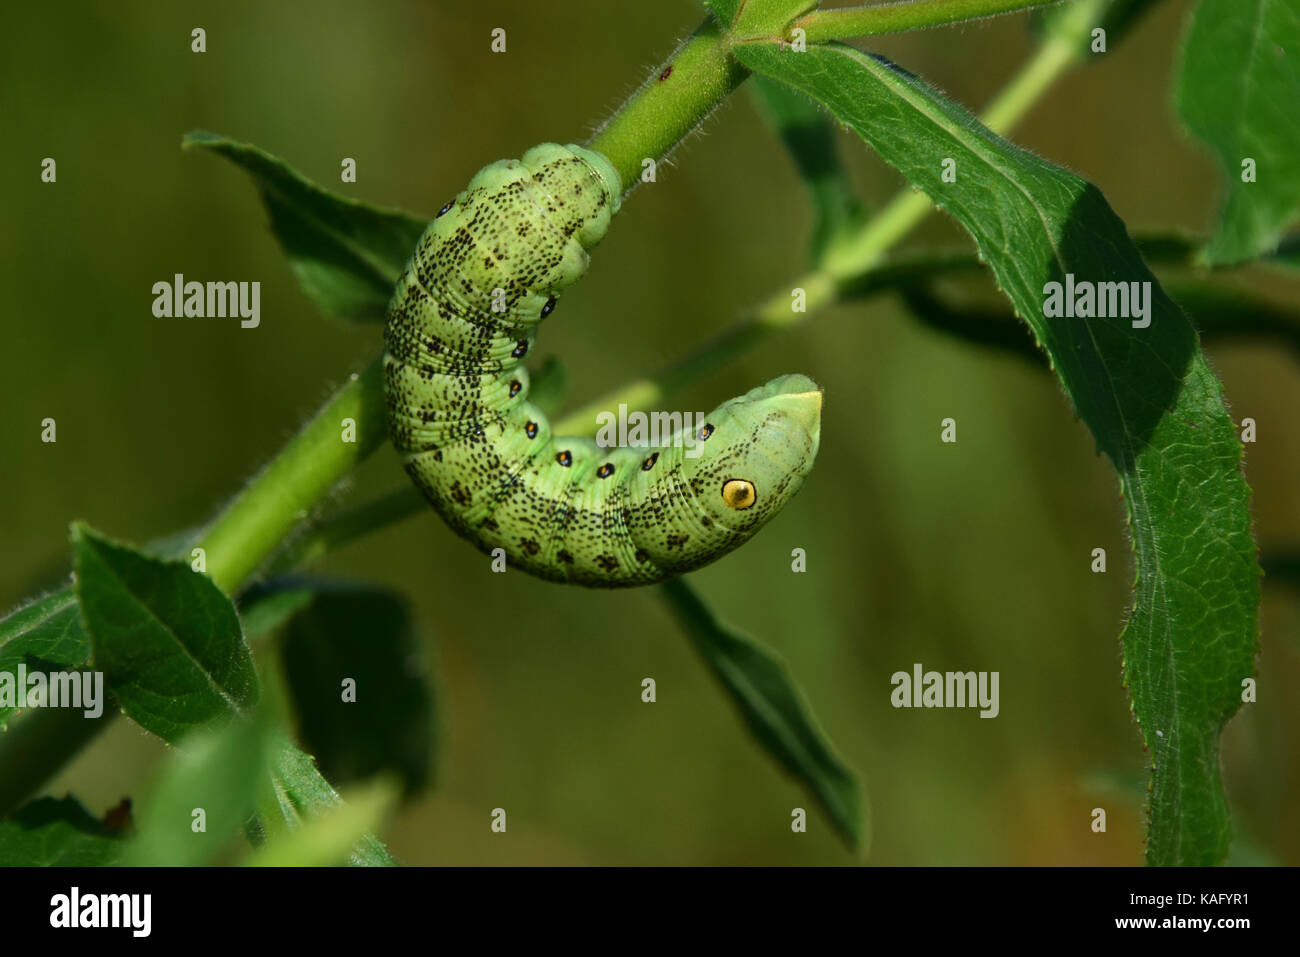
<point>1239,91</point>
<point>1151,402</point>
<point>301,793</point>
<point>773,707</point>
<point>328,838</point>
<point>166,638</point>
<point>809,136</point>
<point>365,636</point>
<point>346,254</point>
<point>45,635</point>
<point>206,795</point>
<point>174,545</point>
<point>56,832</point>
<point>758,18</point>
<point>724,10</point>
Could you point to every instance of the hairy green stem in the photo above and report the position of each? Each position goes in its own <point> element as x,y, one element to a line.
<point>38,744</point>
<point>822,25</point>
<point>672,102</point>
<point>325,535</point>
<point>349,427</point>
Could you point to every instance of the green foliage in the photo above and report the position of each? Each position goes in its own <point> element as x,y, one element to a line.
<point>241,776</point>
<point>167,639</point>
<point>351,632</point>
<point>1221,313</point>
<point>173,648</point>
<point>347,255</point>
<point>332,836</point>
<point>46,635</point>
<point>773,708</point>
<point>1239,91</point>
<point>301,794</point>
<point>1218,314</point>
<point>724,10</point>
<point>57,832</point>
<point>809,135</point>
<point>1146,393</point>
<point>758,18</point>
<point>205,797</point>
<point>346,749</point>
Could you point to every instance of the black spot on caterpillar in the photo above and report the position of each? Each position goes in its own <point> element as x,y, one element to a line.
<point>458,411</point>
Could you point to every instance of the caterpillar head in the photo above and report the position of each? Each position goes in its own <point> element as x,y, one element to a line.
<point>754,452</point>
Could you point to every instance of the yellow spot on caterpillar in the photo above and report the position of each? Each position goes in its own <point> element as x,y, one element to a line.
<point>739,494</point>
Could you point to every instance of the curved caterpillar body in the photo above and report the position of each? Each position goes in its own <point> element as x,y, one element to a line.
<point>487,270</point>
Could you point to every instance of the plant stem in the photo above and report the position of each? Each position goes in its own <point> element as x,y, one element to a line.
<point>342,527</point>
<point>40,743</point>
<point>672,102</point>
<point>823,25</point>
<point>303,473</point>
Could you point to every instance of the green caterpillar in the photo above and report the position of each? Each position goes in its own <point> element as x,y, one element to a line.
<point>487,270</point>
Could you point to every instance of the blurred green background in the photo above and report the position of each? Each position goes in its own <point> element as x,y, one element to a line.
<point>967,556</point>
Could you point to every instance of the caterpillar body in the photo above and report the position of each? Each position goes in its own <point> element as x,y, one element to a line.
<point>488,269</point>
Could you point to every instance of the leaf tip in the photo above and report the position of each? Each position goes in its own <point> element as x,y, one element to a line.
<point>196,139</point>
